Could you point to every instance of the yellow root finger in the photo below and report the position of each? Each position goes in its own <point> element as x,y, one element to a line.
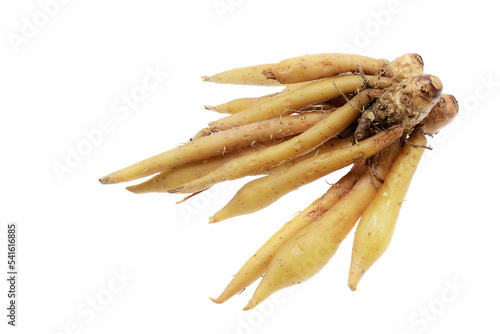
<point>332,144</point>
<point>290,101</point>
<point>171,179</point>
<point>299,145</point>
<point>376,227</point>
<point>262,192</point>
<point>293,86</point>
<point>323,65</point>
<point>256,265</point>
<point>216,144</point>
<point>312,247</point>
<point>237,105</point>
<point>249,75</point>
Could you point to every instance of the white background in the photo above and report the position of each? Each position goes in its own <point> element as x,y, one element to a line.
<point>67,76</point>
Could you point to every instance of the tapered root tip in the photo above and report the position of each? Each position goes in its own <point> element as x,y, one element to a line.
<point>261,293</point>
<point>251,304</point>
<point>211,108</point>
<point>216,300</point>
<point>205,78</point>
<point>353,286</point>
<point>220,216</point>
<point>354,278</point>
<point>132,189</point>
<point>105,180</point>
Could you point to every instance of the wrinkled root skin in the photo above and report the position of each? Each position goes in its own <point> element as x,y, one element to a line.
<point>405,67</point>
<point>406,103</point>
